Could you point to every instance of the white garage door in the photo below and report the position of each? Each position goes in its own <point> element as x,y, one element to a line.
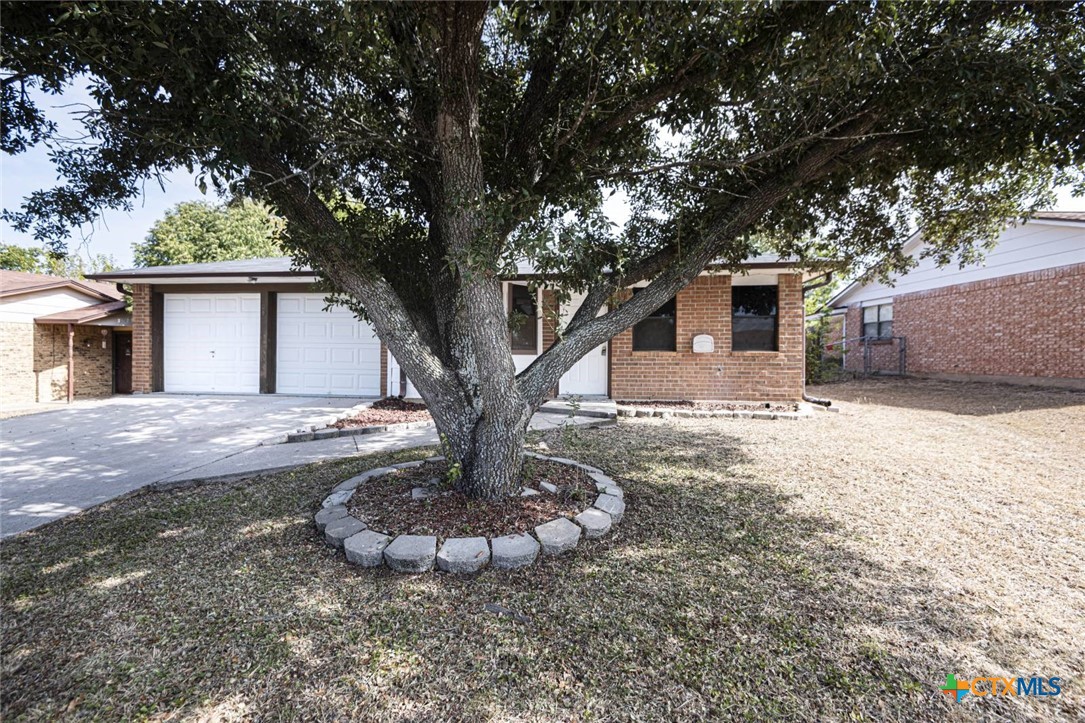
<point>324,352</point>
<point>211,343</point>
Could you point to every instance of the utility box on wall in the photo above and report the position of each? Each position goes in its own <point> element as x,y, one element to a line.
<point>703,344</point>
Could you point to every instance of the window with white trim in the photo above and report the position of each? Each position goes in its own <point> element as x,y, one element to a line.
<point>523,320</point>
<point>878,321</point>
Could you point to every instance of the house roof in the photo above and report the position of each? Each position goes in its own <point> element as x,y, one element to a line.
<point>915,241</point>
<point>272,266</point>
<point>15,283</point>
<point>84,314</point>
<point>1073,216</point>
<point>283,267</point>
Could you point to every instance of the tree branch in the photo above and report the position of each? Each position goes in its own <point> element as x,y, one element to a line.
<point>588,331</point>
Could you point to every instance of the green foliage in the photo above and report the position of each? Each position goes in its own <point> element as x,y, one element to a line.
<point>200,232</point>
<point>18,258</point>
<point>454,466</point>
<point>39,261</point>
<point>954,115</point>
<point>814,301</point>
<point>823,365</point>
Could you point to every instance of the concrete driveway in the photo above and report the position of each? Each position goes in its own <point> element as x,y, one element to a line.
<point>58,462</point>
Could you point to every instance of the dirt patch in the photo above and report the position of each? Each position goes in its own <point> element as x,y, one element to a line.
<point>386,504</point>
<point>390,410</point>
<point>714,406</point>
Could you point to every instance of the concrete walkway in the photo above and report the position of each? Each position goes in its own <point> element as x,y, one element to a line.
<point>61,462</point>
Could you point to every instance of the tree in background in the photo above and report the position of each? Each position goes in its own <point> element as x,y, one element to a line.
<point>200,232</point>
<point>40,261</point>
<point>419,150</point>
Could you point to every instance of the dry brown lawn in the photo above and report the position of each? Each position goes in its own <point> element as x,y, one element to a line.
<point>830,569</point>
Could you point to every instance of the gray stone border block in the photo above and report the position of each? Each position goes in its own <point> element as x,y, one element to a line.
<point>514,551</point>
<point>613,506</point>
<point>557,536</point>
<point>339,497</point>
<point>357,480</point>
<point>340,529</point>
<point>419,553</point>
<point>606,485</point>
<point>411,553</point>
<point>409,465</point>
<point>314,433</point>
<point>366,548</point>
<point>463,554</point>
<point>803,411</point>
<point>329,514</point>
<point>595,522</point>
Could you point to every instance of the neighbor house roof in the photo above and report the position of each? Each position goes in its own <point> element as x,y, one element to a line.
<point>15,283</point>
<point>1073,216</point>
<point>84,314</point>
<point>283,267</point>
<point>915,241</point>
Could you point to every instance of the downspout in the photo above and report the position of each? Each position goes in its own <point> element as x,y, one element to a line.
<point>806,397</point>
<point>71,362</point>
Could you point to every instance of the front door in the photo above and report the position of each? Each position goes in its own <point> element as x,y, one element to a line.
<point>122,362</point>
<point>588,377</point>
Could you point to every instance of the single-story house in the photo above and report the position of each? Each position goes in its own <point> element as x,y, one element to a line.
<point>1018,316</point>
<point>260,326</point>
<point>61,339</point>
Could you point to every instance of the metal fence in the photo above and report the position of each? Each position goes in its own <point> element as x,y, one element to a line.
<point>868,355</point>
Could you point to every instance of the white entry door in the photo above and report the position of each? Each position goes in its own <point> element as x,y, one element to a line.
<point>324,352</point>
<point>393,381</point>
<point>588,376</point>
<point>211,343</point>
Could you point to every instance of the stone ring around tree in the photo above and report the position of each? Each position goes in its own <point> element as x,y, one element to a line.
<point>365,546</point>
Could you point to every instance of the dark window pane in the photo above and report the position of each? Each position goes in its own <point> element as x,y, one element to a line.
<point>870,330</point>
<point>658,331</point>
<point>753,318</point>
<point>523,320</point>
<point>885,329</point>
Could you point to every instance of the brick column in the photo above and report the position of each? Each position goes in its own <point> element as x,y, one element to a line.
<point>142,346</point>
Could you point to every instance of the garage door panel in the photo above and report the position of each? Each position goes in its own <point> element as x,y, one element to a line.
<point>211,343</point>
<point>344,356</point>
<point>288,329</point>
<point>324,352</point>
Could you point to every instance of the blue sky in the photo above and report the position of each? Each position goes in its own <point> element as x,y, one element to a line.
<point>117,230</point>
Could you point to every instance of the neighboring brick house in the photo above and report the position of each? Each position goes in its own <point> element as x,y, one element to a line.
<point>260,326</point>
<point>58,338</point>
<point>1019,316</point>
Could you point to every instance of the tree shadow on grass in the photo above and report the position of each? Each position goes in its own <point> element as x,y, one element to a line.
<point>954,397</point>
<point>715,598</point>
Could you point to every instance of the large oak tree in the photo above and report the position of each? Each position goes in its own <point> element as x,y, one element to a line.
<point>418,150</point>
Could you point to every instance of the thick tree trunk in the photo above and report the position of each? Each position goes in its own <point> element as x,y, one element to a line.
<point>484,445</point>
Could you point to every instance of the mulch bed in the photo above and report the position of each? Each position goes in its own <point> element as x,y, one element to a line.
<point>390,410</point>
<point>385,503</point>
<point>713,406</point>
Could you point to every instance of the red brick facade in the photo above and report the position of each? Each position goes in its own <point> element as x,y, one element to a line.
<point>884,355</point>
<point>142,344</point>
<point>1029,325</point>
<point>704,307</point>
